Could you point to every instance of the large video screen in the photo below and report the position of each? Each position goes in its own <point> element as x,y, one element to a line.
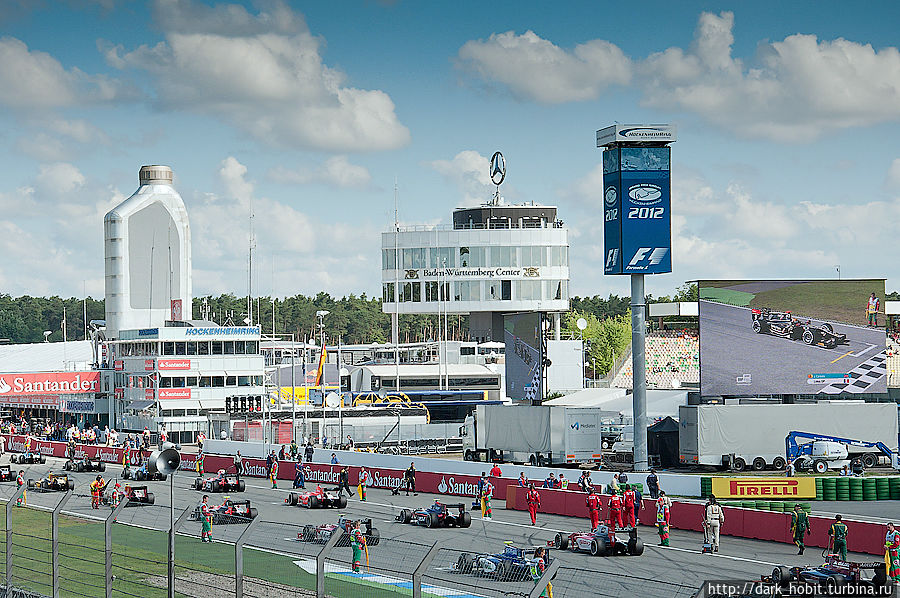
<point>822,337</point>
<point>522,335</point>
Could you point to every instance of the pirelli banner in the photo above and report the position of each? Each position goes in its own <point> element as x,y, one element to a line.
<point>764,488</point>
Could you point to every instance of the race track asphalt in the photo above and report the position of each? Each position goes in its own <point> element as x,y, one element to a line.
<point>661,571</point>
<point>730,349</point>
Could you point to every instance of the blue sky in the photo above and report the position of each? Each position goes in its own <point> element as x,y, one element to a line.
<point>786,163</point>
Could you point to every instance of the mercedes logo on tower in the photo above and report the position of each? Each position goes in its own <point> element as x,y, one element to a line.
<point>498,168</point>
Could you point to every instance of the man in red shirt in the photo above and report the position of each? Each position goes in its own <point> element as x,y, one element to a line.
<point>615,510</point>
<point>495,471</point>
<point>533,500</point>
<point>593,505</point>
<point>629,500</point>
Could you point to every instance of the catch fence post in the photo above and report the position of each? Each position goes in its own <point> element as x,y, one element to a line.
<point>54,536</point>
<point>320,564</point>
<point>420,570</point>
<point>239,560</point>
<point>107,535</point>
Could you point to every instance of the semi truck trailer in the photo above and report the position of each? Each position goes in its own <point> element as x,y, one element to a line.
<point>740,437</point>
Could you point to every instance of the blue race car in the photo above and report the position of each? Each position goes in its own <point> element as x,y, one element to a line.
<point>141,473</point>
<point>437,515</point>
<point>832,574</point>
<point>513,564</point>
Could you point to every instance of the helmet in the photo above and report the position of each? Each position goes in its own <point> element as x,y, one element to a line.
<point>99,478</point>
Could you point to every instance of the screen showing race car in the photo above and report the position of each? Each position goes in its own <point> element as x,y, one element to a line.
<point>522,333</point>
<point>821,337</point>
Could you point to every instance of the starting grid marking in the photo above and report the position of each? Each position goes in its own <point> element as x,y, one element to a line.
<point>864,375</point>
<point>310,567</point>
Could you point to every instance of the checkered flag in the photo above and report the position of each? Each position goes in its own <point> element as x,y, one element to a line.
<point>533,390</point>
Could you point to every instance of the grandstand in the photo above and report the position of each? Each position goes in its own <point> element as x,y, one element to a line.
<point>673,361</point>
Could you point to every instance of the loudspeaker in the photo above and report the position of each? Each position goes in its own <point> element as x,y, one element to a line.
<point>165,461</point>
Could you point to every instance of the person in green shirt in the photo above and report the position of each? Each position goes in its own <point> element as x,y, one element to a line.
<point>294,450</point>
<point>799,526</point>
<point>838,534</point>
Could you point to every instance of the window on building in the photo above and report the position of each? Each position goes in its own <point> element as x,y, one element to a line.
<point>528,290</point>
<point>492,290</point>
<point>165,382</point>
<point>387,259</point>
<point>168,348</point>
<point>387,292</point>
<point>192,348</point>
<point>229,347</point>
<point>413,259</point>
<point>257,380</point>
<point>504,256</point>
<point>467,350</point>
<point>432,288</point>
<point>180,348</point>
<point>410,291</point>
<point>178,382</point>
<point>231,381</point>
<point>468,290</point>
<point>252,347</point>
<point>203,348</point>
<point>442,257</point>
<point>243,380</point>
<point>505,290</point>
<point>217,347</point>
<point>559,256</point>
<point>218,381</point>
<point>534,256</point>
<point>191,381</point>
<point>472,257</point>
<point>205,381</point>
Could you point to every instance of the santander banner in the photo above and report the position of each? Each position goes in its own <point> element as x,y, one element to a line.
<point>174,393</point>
<point>24,385</point>
<point>174,364</point>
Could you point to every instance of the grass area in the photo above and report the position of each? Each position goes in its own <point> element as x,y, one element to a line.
<point>140,554</point>
<point>726,296</point>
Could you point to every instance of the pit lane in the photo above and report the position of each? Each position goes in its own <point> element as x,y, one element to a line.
<point>402,545</point>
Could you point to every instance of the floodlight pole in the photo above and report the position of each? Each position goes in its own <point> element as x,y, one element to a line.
<point>171,571</point>
<point>638,357</point>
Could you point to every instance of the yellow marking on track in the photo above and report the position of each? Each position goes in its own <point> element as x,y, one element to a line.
<point>843,356</point>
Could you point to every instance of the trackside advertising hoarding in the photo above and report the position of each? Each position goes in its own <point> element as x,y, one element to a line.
<point>764,488</point>
<point>807,337</point>
<point>637,210</point>
<point>44,383</point>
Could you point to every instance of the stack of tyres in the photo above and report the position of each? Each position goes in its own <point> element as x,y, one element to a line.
<point>762,505</point>
<point>776,505</point>
<point>819,489</point>
<point>869,489</point>
<point>805,506</point>
<point>882,488</point>
<point>894,484</point>
<point>748,504</point>
<point>829,488</point>
<point>705,487</point>
<point>788,507</point>
<point>844,488</point>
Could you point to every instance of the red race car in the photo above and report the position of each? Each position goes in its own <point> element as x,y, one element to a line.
<point>219,483</point>
<point>318,498</point>
<point>606,540</point>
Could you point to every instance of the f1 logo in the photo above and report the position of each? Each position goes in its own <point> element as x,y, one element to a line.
<point>656,255</point>
<point>611,257</point>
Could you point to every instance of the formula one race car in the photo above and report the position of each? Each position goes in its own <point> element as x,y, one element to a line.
<point>143,474</point>
<point>783,324</point>
<point>606,540</point>
<point>219,483</point>
<point>230,511</point>
<point>136,495</point>
<point>513,564</point>
<point>832,574</point>
<point>317,498</point>
<point>84,464</point>
<point>54,482</point>
<point>322,533</point>
<point>437,515</point>
<point>29,457</point>
<point>6,473</point>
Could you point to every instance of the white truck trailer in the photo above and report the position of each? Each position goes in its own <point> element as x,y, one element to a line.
<point>538,435</point>
<point>753,436</point>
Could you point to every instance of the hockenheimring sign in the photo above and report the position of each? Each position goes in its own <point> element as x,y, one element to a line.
<point>530,272</point>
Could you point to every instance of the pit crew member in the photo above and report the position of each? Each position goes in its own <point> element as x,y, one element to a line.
<point>533,500</point>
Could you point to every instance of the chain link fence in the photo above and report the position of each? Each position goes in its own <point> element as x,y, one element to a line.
<point>57,545</point>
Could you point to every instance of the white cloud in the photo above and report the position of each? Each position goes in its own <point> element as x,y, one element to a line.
<point>336,171</point>
<point>795,89</point>
<point>892,182</point>
<point>61,178</point>
<point>468,170</point>
<point>263,74</point>
<point>30,79</point>
<point>532,67</point>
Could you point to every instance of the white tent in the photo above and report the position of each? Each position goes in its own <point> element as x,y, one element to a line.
<point>660,403</point>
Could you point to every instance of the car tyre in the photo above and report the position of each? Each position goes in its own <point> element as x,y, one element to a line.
<point>635,547</point>
<point>405,515</point>
<point>778,463</point>
<point>465,519</point>
<point>738,464</point>
<point>468,456</point>
<point>596,549</point>
<point>430,520</point>
<point>756,326</point>
<point>313,502</point>
<point>292,499</point>
<point>241,486</point>
<point>464,563</point>
<point>101,466</point>
<point>373,537</point>
<point>67,466</point>
<point>29,483</point>
<point>561,541</point>
<point>43,459</point>
<point>309,533</point>
<point>808,337</point>
<point>820,466</point>
<point>869,460</point>
<point>70,484</point>
<point>252,513</point>
<point>828,327</point>
<point>342,502</point>
<point>781,576</point>
<point>759,464</point>
<point>198,483</point>
<point>151,499</point>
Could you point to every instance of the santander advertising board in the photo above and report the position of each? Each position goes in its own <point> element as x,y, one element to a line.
<point>49,383</point>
